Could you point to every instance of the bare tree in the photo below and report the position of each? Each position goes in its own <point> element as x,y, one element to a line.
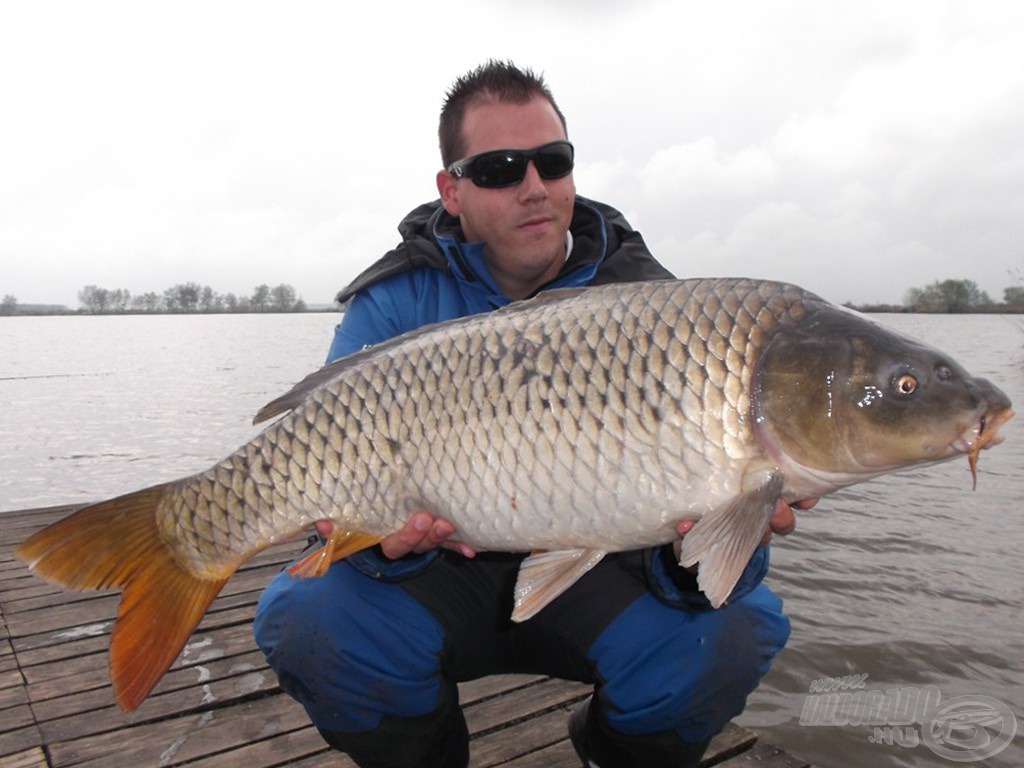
<point>94,300</point>
<point>954,296</point>
<point>282,298</point>
<point>260,298</point>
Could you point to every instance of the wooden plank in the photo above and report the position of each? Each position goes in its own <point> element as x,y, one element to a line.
<point>184,738</point>
<point>24,586</point>
<point>89,665</point>
<point>13,523</point>
<point>17,715</point>
<point>558,755</point>
<point>225,680</point>
<point>18,732</point>
<point>494,685</point>
<point>489,702</point>
<point>329,759</point>
<point>524,702</point>
<point>12,688</point>
<point>520,739</point>
<point>30,758</point>
<point>20,740</point>
<point>295,748</point>
<point>90,632</point>
<point>8,665</point>
<point>521,721</point>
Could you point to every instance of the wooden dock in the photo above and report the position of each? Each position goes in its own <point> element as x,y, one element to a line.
<point>219,706</point>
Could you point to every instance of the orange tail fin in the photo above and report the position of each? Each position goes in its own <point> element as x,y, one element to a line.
<point>117,544</point>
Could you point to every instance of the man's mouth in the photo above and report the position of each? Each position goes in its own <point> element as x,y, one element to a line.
<point>535,223</point>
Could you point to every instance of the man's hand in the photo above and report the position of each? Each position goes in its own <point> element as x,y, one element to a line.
<point>783,522</point>
<point>422,533</point>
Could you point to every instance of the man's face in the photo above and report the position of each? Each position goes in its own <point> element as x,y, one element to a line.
<point>523,226</point>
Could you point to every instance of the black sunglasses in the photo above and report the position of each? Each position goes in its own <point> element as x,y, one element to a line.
<point>507,167</point>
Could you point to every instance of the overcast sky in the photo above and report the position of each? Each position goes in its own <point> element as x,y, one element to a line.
<point>857,148</point>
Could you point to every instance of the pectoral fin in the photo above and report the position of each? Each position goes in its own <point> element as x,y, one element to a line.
<point>341,544</point>
<point>723,541</point>
<point>543,576</point>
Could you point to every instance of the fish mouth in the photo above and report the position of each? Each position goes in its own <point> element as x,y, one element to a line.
<point>980,435</point>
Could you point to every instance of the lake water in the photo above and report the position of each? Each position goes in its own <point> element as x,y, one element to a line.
<point>912,580</point>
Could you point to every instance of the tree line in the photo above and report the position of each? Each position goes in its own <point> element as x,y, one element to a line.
<point>942,296</point>
<point>952,297</point>
<point>189,298</point>
<point>960,296</point>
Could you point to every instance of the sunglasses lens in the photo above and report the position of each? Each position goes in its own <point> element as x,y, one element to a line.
<point>507,167</point>
<point>555,161</point>
<point>499,169</point>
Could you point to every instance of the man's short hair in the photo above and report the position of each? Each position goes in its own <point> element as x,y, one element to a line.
<point>500,81</point>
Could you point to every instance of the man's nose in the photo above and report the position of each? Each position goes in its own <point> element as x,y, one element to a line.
<point>532,186</point>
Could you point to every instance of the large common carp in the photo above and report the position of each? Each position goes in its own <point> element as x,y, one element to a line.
<point>571,425</point>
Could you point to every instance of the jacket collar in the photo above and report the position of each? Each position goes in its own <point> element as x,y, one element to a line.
<point>432,238</point>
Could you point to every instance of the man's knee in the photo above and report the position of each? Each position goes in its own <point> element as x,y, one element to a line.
<point>350,649</point>
<point>684,671</point>
<point>746,636</point>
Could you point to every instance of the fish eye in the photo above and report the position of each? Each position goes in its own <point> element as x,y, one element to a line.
<point>905,384</point>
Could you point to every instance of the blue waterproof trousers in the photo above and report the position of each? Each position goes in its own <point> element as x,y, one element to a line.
<point>380,661</point>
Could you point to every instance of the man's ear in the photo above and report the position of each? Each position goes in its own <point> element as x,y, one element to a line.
<point>448,189</point>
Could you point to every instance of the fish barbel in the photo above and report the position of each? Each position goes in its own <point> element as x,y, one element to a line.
<point>571,425</point>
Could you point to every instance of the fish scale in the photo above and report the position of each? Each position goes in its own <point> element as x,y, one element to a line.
<point>568,426</point>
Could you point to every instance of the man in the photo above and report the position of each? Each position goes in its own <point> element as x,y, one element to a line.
<point>374,649</point>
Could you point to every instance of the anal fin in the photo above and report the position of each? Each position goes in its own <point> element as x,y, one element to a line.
<point>543,576</point>
<point>340,545</point>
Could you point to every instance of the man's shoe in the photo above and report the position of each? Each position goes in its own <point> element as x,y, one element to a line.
<point>601,746</point>
<point>578,731</point>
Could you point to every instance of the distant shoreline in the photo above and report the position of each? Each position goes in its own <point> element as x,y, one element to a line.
<point>62,311</point>
<point>996,309</point>
<point>942,297</point>
<point>50,310</point>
